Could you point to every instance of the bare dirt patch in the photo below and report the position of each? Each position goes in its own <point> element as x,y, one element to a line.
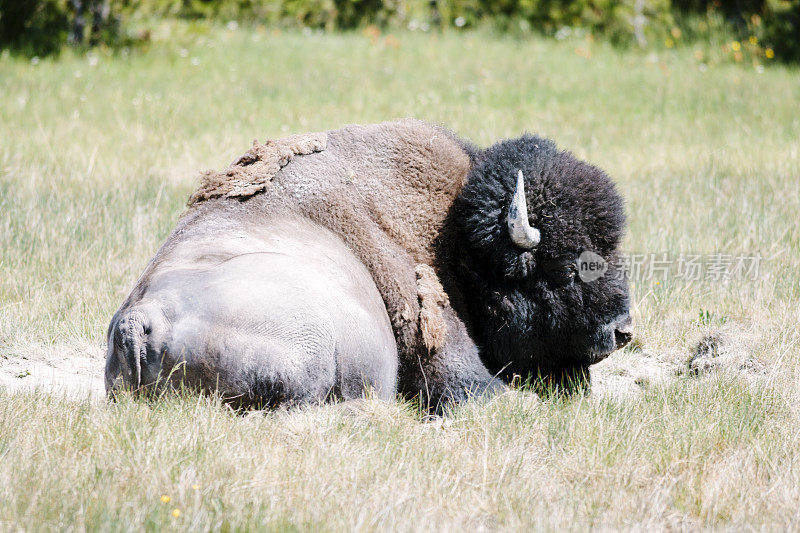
<point>728,349</point>
<point>73,370</point>
<point>629,372</point>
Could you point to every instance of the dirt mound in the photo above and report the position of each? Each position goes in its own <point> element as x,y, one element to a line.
<point>723,350</point>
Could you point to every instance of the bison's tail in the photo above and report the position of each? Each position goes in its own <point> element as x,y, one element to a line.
<point>127,350</point>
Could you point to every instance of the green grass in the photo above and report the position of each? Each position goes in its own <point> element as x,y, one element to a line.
<point>98,155</point>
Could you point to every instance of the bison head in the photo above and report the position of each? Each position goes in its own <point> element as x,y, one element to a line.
<point>538,264</point>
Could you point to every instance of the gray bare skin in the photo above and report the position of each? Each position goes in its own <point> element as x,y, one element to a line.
<point>267,311</point>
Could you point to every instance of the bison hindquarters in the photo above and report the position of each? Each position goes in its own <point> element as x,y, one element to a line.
<point>261,317</point>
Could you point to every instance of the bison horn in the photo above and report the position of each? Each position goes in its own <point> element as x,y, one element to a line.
<point>519,228</point>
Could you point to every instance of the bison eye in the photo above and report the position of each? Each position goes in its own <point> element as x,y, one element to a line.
<point>561,273</point>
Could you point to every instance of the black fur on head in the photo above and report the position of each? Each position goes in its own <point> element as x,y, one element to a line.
<point>530,311</point>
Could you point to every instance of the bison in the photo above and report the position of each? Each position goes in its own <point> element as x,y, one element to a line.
<point>388,257</point>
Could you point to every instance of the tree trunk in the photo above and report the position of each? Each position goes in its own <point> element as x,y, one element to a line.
<point>78,23</point>
<point>100,9</point>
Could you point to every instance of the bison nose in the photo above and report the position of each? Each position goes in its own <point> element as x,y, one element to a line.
<point>623,332</point>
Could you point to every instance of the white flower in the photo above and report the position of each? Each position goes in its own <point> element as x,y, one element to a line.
<point>563,33</point>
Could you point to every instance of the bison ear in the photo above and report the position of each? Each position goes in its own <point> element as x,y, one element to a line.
<point>522,234</point>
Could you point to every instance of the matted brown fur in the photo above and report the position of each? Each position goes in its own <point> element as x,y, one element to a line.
<point>431,299</point>
<point>252,172</point>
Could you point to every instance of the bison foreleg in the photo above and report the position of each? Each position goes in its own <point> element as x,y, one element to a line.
<point>444,367</point>
<point>450,373</point>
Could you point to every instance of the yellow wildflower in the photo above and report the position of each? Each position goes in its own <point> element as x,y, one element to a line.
<point>176,513</point>
<point>735,46</point>
<point>669,43</point>
<point>165,499</point>
<point>770,53</point>
<point>195,487</point>
<point>753,40</point>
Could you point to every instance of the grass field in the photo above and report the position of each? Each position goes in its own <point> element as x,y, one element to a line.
<point>99,153</point>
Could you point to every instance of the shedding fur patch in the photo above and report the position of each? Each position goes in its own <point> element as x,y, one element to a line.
<point>252,172</point>
<point>431,299</point>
